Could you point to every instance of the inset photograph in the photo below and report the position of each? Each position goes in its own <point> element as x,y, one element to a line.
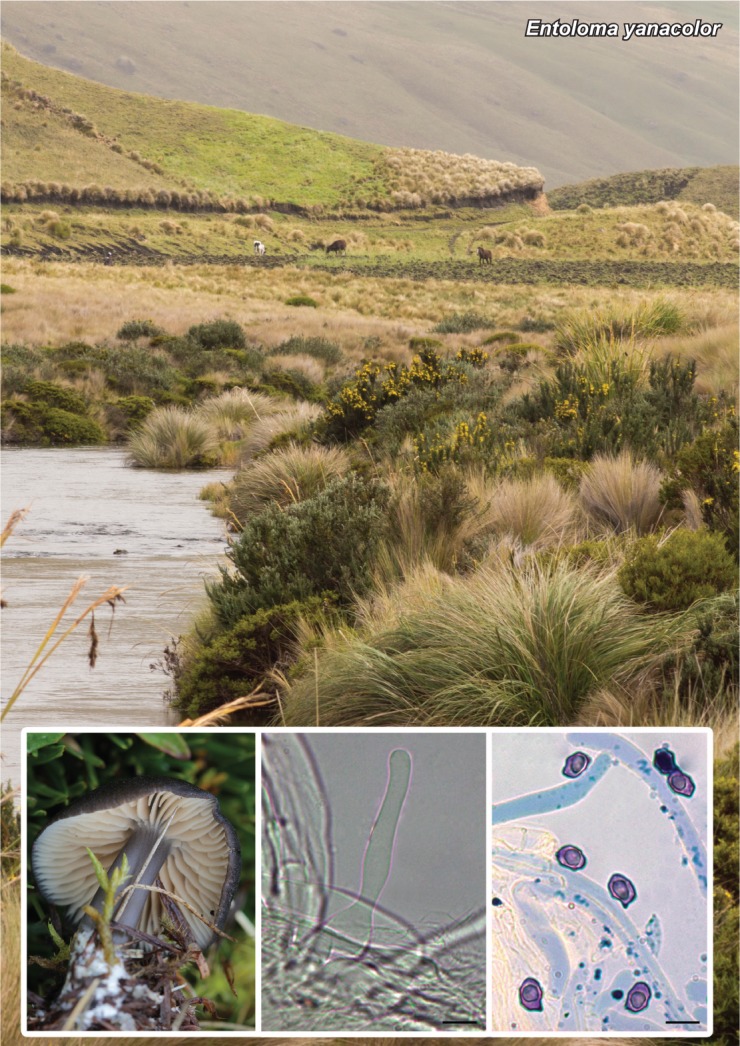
<point>141,882</point>
<point>601,904</point>
<point>374,882</point>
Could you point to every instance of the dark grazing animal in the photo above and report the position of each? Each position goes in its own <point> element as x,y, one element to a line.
<point>338,247</point>
<point>484,256</point>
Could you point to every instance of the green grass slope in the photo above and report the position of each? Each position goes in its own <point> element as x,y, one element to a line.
<point>457,76</point>
<point>717,185</point>
<point>65,128</point>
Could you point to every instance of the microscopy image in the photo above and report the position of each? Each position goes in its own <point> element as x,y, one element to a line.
<point>374,882</point>
<point>600,879</point>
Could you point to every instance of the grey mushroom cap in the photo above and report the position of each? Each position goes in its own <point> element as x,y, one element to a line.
<point>197,854</point>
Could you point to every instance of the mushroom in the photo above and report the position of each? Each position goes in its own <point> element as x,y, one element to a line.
<point>172,834</point>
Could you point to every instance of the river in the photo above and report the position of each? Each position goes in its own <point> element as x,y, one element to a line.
<point>91,515</point>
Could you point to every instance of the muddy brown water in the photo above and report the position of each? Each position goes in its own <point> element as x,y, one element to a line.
<point>91,515</point>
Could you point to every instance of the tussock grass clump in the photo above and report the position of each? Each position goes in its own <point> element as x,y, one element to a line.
<point>537,512</point>
<point>232,414</point>
<point>293,421</point>
<point>172,438</point>
<point>317,347</point>
<point>622,493</point>
<point>285,477</point>
<point>504,646</point>
<point>580,328</point>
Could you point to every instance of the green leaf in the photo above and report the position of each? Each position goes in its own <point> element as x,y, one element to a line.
<point>171,744</point>
<point>100,872</point>
<point>38,741</point>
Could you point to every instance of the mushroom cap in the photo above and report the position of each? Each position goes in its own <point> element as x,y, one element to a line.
<point>202,865</point>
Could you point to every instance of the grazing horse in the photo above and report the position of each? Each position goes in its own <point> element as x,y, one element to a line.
<point>338,247</point>
<point>259,248</point>
<point>485,257</point>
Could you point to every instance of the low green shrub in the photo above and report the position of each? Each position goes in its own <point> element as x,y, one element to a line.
<point>292,382</point>
<point>5,288</point>
<point>44,425</point>
<point>673,572</point>
<point>236,661</point>
<point>419,342</point>
<point>133,329</point>
<point>463,323</point>
<point>137,371</point>
<point>374,386</point>
<point>55,396</point>
<point>711,467</point>
<point>324,544</point>
<point>218,334</point>
<point>135,408</point>
<point>302,299</point>
<point>319,348</point>
<point>501,336</point>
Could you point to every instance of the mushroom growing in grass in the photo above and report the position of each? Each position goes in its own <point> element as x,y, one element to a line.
<point>174,837</point>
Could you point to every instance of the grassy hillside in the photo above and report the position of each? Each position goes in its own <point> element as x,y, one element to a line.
<point>456,76</point>
<point>716,185</point>
<point>71,130</point>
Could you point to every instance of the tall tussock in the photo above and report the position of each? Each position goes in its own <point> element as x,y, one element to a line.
<point>505,646</point>
<point>622,493</point>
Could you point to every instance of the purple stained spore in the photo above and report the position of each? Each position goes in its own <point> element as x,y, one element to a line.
<point>530,994</point>
<point>571,857</point>
<point>622,889</point>
<point>664,761</point>
<point>638,997</point>
<point>681,783</point>
<point>575,764</point>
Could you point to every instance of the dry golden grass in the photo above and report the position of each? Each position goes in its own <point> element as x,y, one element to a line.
<point>62,301</point>
<point>622,493</point>
<point>715,349</point>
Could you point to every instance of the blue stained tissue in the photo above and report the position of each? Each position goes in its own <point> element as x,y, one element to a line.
<point>615,946</point>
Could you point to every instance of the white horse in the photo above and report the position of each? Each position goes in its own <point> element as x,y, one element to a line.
<point>259,248</point>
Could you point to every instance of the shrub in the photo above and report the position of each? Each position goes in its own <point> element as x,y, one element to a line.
<point>324,544</point>
<point>49,426</point>
<point>319,348</point>
<point>234,662</point>
<point>134,371</point>
<point>218,334</point>
<point>285,477</point>
<point>173,438</point>
<point>292,381</point>
<point>374,386</point>
<point>505,646</point>
<point>462,323</point>
<point>135,408</point>
<point>302,299</point>
<point>622,493</point>
<point>133,329</point>
<point>55,396</point>
<point>673,572</point>
<point>5,288</point>
<point>711,466</point>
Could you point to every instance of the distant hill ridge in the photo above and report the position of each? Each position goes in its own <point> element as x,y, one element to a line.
<point>718,185</point>
<point>461,77</point>
<point>70,139</point>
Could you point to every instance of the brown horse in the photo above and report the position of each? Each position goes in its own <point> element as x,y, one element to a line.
<point>338,247</point>
<point>484,256</point>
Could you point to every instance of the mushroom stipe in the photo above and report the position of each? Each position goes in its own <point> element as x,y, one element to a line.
<point>172,834</point>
